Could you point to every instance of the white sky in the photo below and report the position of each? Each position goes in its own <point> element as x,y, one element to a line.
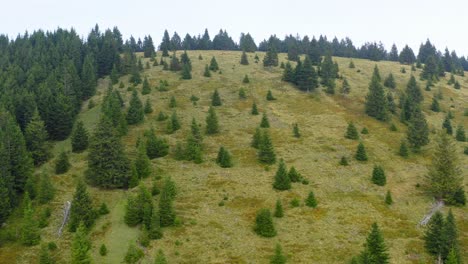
<point>396,21</point>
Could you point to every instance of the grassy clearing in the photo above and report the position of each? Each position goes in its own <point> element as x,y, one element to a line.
<point>348,201</point>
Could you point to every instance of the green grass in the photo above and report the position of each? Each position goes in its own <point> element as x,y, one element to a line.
<point>348,202</point>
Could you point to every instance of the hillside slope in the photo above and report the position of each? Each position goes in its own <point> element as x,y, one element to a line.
<point>348,203</point>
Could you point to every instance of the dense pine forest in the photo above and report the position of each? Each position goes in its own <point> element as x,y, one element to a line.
<point>201,150</point>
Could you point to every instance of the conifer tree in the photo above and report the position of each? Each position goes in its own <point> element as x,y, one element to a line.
<point>62,164</point>
<point>224,158</point>
<point>403,151</point>
<point>175,64</point>
<point>244,60</point>
<point>155,231</point>
<point>242,94</point>
<point>378,176</point>
<point>264,224</point>
<point>376,103</point>
<point>137,207</point>
<point>35,135</point>
<point>134,179</point>
<point>264,123</point>
<point>311,201</point>
<point>254,110</point>
<point>282,180</point>
<point>165,44</point>
<point>452,257</point>
<point>173,124</point>
<point>148,108</point>
<point>81,208</point>
<point>361,152</point>
<point>88,77</point>
<point>460,133</point>
<point>434,237</point>
<point>375,250</point>
<point>156,147</point>
<point>166,211</point>
<point>214,64</point>
<point>293,175</point>
<point>278,209</point>
<point>142,162</point>
<point>212,126</point>
<point>79,138</point>
<point>351,64</point>
<point>30,233</point>
<point>328,74</point>
<point>44,256</point>
<point>216,99</point>
<point>134,254</point>
<point>344,161</point>
<point>351,131</point>
<point>418,131</point>
<point>445,175</point>
<point>193,150</point>
<point>270,96</point>
<point>413,91</point>
<point>103,209</point>
<point>207,72</point>
<point>45,190</point>
<point>451,237</point>
<point>391,103</point>
<point>305,76</point>
<point>81,245</point>
<point>146,89</point>
<point>447,125</point>
<point>257,137</point>
<point>108,165</point>
<point>278,257</point>
<point>431,69</point>
<point>288,73</point>
<point>161,116</point>
<point>271,57</point>
<point>457,85</point>
<point>390,81</point>
<point>345,87</point>
<point>435,107</point>
<point>172,102</point>
<point>266,153</point>
<point>296,132</point>
<point>186,73</point>
<point>246,79</point>
<point>388,198</point>
<point>103,250</point>
<point>160,258</point>
<point>135,113</point>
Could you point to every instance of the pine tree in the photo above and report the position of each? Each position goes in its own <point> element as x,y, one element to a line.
<point>196,132</point>
<point>214,64</point>
<point>288,73</point>
<point>278,209</point>
<point>282,180</point>
<point>391,103</point>
<point>242,94</point>
<point>103,209</point>
<point>256,139</point>
<point>361,152</point>
<point>293,175</point>
<point>434,237</point>
<point>431,69</point>
<point>445,175</point>
<point>175,64</point>
<point>103,250</point>
<point>155,231</point>
<point>328,73</point>
<point>172,102</point>
<point>207,72</point>
<point>212,126</point>
<point>351,131</point>
<point>81,245</point>
<point>46,190</point>
<point>146,89</point>
<point>270,96</point>
<point>296,132</point>
<point>62,164</point>
<point>460,134</point>
<point>345,87</point>
<point>451,236</point>
<point>388,198</point>
<point>305,76</point>
<point>142,162</point>
<point>447,126</point>
<point>186,73</point>
<point>271,57</point>
<point>224,158</point>
<point>79,138</point>
<point>254,110</point>
<point>264,123</point>
<point>390,81</point>
<point>134,254</point>
<point>35,135</point>
<point>148,108</point>
<point>452,257</point>
<point>457,85</point>
<point>135,113</point>
<point>166,211</point>
<point>244,60</point>
<point>88,77</point>
<point>378,176</point>
<point>156,147</point>
<point>44,256</point>
<point>246,79</point>
<point>108,165</point>
<point>137,207</point>
<point>216,99</point>
<point>344,161</point>
<point>376,103</point>
<point>264,224</point>
<point>413,91</point>
<point>278,258</point>
<point>418,131</point>
<point>435,105</point>
<point>30,233</point>
<point>173,124</point>
<point>403,151</point>
<point>310,201</point>
<point>193,150</point>
<point>160,258</point>
<point>81,208</point>
<point>375,250</point>
<point>266,153</point>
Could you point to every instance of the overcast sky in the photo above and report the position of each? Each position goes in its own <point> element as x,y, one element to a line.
<point>396,21</point>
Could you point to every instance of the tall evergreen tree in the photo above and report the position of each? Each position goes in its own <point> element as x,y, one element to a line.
<point>460,134</point>
<point>378,176</point>
<point>431,69</point>
<point>173,123</point>
<point>376,102</point>
<point>434,236</point>
<point>435,107</point>
<point>445,175</point>
<point>278,257</point>
<point>88,77</point>
<point>36,140</point>
<point>418,131</point>
<point>447,125</point>
<point>327,72</point>
<point>361,154</point>
<point>142,162</point>
<point>79,138</point>
<point>135,113</point>
<point>413,92</point>
<point>244,60</point>
<point>166,211</point>
<point>390,81</point>
<point>81,245</point>
<point>148,108</point>
<point>393,55</point>
<point>375,250</point>
<point>264,224</point>
<point>271,56</point>
<point>212,126</point>
<point>108,165</point>
<point>224,158</point>
<point>186,73</point>
<point>160,258</point>
<point>288,73</point>
<point>311,201</point>
<point>45,190</point>
<point>146,89</point>
<point>62,164</point>
<point>266,152</point>
<point>278,209</point>
<point>256,139</point>
<point>30,234</point>
<point>165,44</point>
<point>215,98</point>
<point>156,147</point>
<point>254,110</point>
<point>81,210</point>
<point>264,123</point>
<point>214,64</point>
<point>305,76</point>
<point>351,131</point>
<point>207,72</point>
<point>282,181</point>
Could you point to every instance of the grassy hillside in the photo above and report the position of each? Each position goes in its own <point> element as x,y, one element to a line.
<point>348,203</point>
